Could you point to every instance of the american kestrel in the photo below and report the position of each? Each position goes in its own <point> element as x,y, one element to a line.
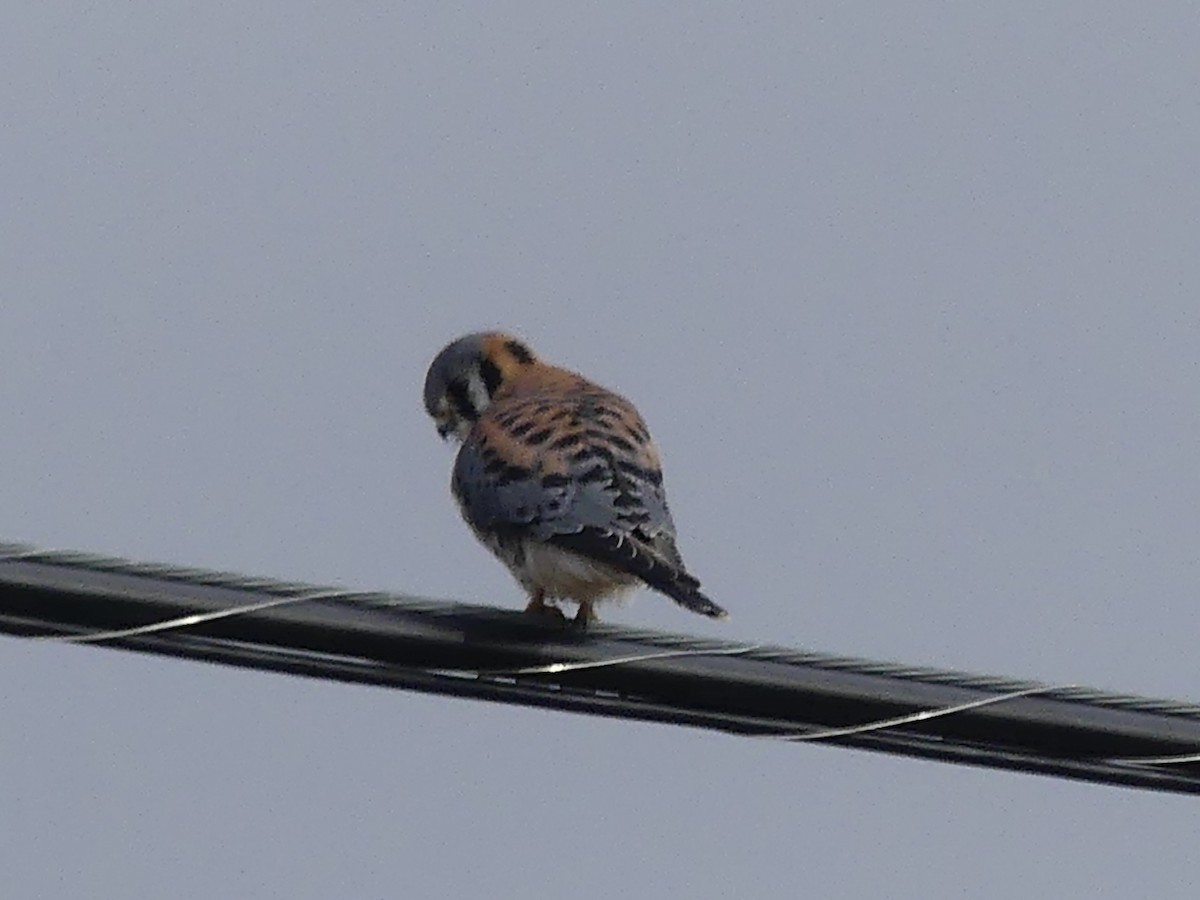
<point>557,476</point>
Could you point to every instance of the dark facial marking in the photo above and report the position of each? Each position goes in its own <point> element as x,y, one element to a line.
<point>519,352</point>
<point>490,373</point>
<point>460,399</point>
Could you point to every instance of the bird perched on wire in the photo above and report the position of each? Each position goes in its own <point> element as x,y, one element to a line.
<point>557,476</point>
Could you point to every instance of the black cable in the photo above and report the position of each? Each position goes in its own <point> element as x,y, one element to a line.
<point>505,656</point>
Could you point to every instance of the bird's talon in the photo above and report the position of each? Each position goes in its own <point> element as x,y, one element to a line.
<point>583,618</point>
<point>540,608</point>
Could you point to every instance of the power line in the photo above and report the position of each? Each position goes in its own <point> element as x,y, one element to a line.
<point>505,656</point>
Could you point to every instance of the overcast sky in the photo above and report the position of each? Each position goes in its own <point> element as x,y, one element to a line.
<point>908,293</point>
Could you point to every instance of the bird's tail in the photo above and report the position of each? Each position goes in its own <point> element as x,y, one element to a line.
<point>686,592</point>
<point>637,558</point>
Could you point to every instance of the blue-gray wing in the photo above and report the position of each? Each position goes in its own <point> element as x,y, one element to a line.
<point>578,470</point>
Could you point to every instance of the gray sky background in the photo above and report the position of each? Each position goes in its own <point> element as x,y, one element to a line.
<point>907,292</point>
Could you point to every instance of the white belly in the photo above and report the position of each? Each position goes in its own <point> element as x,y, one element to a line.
<point>569,576</point>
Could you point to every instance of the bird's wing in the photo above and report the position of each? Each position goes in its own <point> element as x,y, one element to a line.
<point>574,466</point>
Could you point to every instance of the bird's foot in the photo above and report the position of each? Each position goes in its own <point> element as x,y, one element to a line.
<point>539,607</point>
<point>584,617</point>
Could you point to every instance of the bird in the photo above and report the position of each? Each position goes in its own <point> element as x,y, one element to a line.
<point>558,477</point>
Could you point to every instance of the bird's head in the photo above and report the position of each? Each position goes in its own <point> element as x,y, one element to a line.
<point>465,376</point>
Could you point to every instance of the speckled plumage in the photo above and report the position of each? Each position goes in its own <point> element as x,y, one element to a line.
<point>558,476</point>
